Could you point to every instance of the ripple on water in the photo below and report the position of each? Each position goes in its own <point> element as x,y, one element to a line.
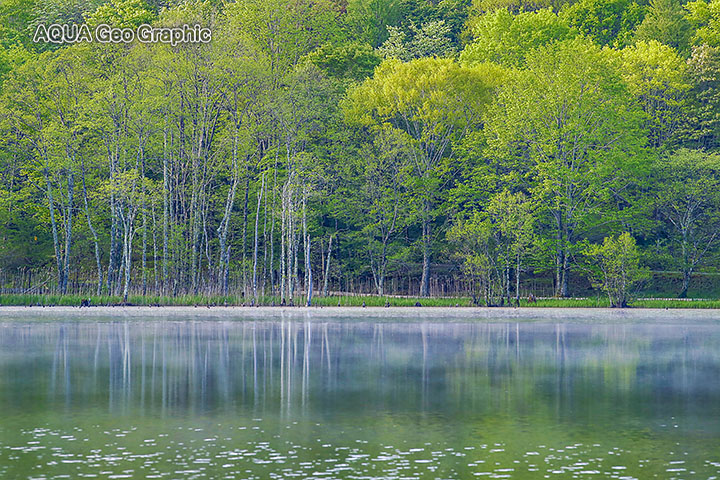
<point>220,456</point>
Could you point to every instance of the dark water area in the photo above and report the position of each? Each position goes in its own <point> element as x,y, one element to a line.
<point>356,399</point>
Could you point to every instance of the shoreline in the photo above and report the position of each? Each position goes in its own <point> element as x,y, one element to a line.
<point>442,314</point>
<point>336,300</point>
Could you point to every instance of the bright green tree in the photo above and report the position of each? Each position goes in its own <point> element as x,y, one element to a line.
<point>431,39</point>
<point>657,77</point>
<point>285,32</point>
<point>513,220</point>
<point>705,18</point>
<point>506,38</point>
<point>379,205</point>
<point>615,268</point>
<point>607,22</point>
<point>347,61</point>
<point>367,20</point>
<point>431,102</point>
<point>701,121</point>
<point>482,262</point>
<point>567,123</point>
<point>666,23</point>
<point>122,13</point>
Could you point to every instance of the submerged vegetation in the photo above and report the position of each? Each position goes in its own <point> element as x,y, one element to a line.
<point>457,151</point>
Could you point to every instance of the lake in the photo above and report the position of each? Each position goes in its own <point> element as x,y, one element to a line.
<point>399,395</point>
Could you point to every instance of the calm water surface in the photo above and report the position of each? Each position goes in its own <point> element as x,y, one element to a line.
<point>340,398</point>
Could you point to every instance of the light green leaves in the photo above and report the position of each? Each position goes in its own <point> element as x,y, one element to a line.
<point>122,14</point>
<point>665,22</point>
<point>705,17</point>
<point>426,97</point>
<point>657,76</point>
<point>431,39</point>
<point>506,38</point>
<point>616,267</point>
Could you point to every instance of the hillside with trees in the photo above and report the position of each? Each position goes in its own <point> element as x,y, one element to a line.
<point>484,148</point>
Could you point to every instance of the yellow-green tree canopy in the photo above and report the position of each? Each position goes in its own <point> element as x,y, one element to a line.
<point>657,76</point>
<point>705,17</point>
<point>506,38</point>
<point>428,98</point>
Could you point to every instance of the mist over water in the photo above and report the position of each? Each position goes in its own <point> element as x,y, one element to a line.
<point>341,398</point>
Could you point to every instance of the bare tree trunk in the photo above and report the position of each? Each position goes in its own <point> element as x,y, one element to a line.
<point>283,250</point>
<point>68,229</point>
<point>53,224</point>
<point>507,281</point>
<point>126,264</point>
<point>155,257</point>
<point>295,283</point>
<point>272,231</point>
<point>255,250</point>
<point>308,267</point>
<point>271,266</point>
<point>561,274</point>
<point>166,212</point>
<point>92,230</point>
<point>425,280</point>
<point>291,245</point>
<point>224,263</point>
<point>195,232</point>
<point>144,240</point>
<point>686,269</point>
<point>128,220</point>
<point>564,287</point>
<point>244,235</point>
<point>305,236</point>
<point>127,261</point>
<point>517,280</point>
<point>327,267</point>
<point>381,270</point>
<point>685,283</point>
<point>112,260</point>
<point>265,246</point>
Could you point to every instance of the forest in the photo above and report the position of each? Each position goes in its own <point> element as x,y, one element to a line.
<point>483,148</point>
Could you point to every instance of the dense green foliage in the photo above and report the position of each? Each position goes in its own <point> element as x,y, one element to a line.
<point>380,146</point>
<point>615,267</point>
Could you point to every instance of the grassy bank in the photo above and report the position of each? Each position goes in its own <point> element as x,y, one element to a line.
<point>109,300</point>
<point>200,300</point>
<point>603,303</point>
<point>333,301</point>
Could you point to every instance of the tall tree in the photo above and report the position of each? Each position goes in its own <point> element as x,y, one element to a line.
<point>566,122</point>
<point>666,23</point>
<point>431,102</point>
<point>380,207</point>
<point>431,39</point>
<point>506,38</point>
<point>607,22</point>
<point>704,16</point>
<point>688,200</point>
<point>701,122</point>
<point>657,77</point>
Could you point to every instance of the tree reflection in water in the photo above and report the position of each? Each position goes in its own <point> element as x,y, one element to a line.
<point>519,386</point>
